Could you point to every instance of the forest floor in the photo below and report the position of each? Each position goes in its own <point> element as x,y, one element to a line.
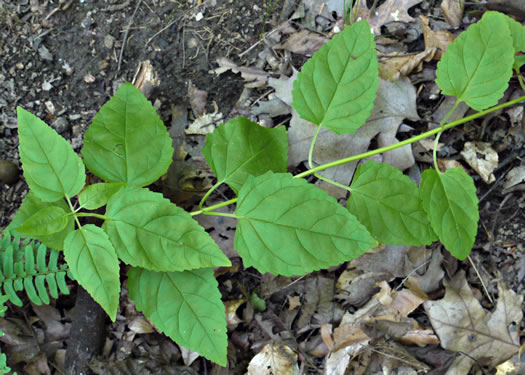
<point>212,60</point>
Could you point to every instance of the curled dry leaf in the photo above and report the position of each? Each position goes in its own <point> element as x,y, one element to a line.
<point>453,11</point>
<point>482,158</point>
<point>401,64</point>
<point>464,326</point>
<point>274,359</point>
<point>515,176</point>
<point>304,42</point>
<point>389,11</point>
<point>439,39</point>
<point>253,77</point>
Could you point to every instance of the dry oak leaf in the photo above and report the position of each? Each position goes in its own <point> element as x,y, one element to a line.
<point>439,39</point>
<point>274,359</point>
<point>389,11</point>
<point>464,326</point>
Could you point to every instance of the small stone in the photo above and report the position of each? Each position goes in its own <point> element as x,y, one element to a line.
<point>8,172</point>
<point>89,78</point>
<point>109,41</point>
<point>45,54</point>
<point>46,86</point>
<point>199,16</point>
<point>61,125</point>
<point>50,107</point>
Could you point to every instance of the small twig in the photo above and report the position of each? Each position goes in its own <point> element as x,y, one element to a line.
<point>481,280</point>
<point>126,36</point>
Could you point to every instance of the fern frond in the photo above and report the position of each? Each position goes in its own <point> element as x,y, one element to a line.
<point>24,267</point>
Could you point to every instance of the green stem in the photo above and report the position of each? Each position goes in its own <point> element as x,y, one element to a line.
<point>410,140</point>
<point>311,165</point>
<point>208,193</point>
<point>379,150</point>
<point>312,145</point>
<point>436,141</point>
<point>219,214</point>
<point>90,214</point>
<point>520,79</point>
<point>73,211</point>
<point>434,152</point>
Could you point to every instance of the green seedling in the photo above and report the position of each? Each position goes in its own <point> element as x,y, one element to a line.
<point>285,225</point>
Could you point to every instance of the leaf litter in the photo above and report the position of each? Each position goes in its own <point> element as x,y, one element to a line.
<point>369,318</point>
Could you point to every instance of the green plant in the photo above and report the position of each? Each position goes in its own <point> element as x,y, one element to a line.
<point>285,225</point>
<point>20,270</point>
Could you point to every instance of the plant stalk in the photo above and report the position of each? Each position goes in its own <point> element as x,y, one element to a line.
<point>380,150</point>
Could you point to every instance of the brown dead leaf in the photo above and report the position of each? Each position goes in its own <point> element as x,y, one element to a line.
<point>439,39</point>
<point>394,102</point>
<point>254,77</point>
<point>304,42</point>
<point>400,65</point>
<point>453,11</point>
<point>232,319</point>
<point>389,11</point>
<point>198,99</point>
<point>274,359</point>
<point>464,326</point>
<point>421,337</point>
<point>293,302</point>
<point>482,158</point>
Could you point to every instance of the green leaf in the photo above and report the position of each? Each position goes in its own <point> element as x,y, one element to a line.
<point>97,195</point>
<point>94,263</point>
<point>289,227</point>
<point>517,32</point>
<point>186,306</point>
<point>519,61</point>
<point>452,206</point>
<point>387,203</point>
<point>30,206</point>
<point>337,87</point>
<point>477,66</point>
<point>241,148</point>
<point>51,168</point>
<point>149,231</point>
<point>48,220</point>
<point>127,141</point>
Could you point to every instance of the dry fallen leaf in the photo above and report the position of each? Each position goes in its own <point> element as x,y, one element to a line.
<point>464,326</point>
<point>395,102</point>
<point>482,158</point>
<point>254,77</point>
<point>515,176</point>
<point>197,98</point>
<point>274,359</point>
<point>389,11</point>
<point>304,42</point>
<point>400,64</point>
<point>453,11</point>
<point>439,39</point>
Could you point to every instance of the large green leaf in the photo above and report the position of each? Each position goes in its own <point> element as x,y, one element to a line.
<point>387,202</point>
<point>97,195</point>
<point>477,66</point>
<point>48,220</point>
<point>517,32</point>
<point>51,168</point>
<point>337,87</point>
<point>127,141</point>
<point>30,206</point>
<point>289,227</point>
<point>186,306</point>
<point>94,264</point>
<point>241,148</point>
<point>149,231</point>
<point>452,206</point>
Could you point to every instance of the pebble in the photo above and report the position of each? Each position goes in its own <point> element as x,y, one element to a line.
<point>8,172</point>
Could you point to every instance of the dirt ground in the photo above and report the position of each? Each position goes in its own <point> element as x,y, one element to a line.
<point>62,60</point>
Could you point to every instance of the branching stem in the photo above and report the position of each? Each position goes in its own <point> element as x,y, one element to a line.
<point>380,150</point>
